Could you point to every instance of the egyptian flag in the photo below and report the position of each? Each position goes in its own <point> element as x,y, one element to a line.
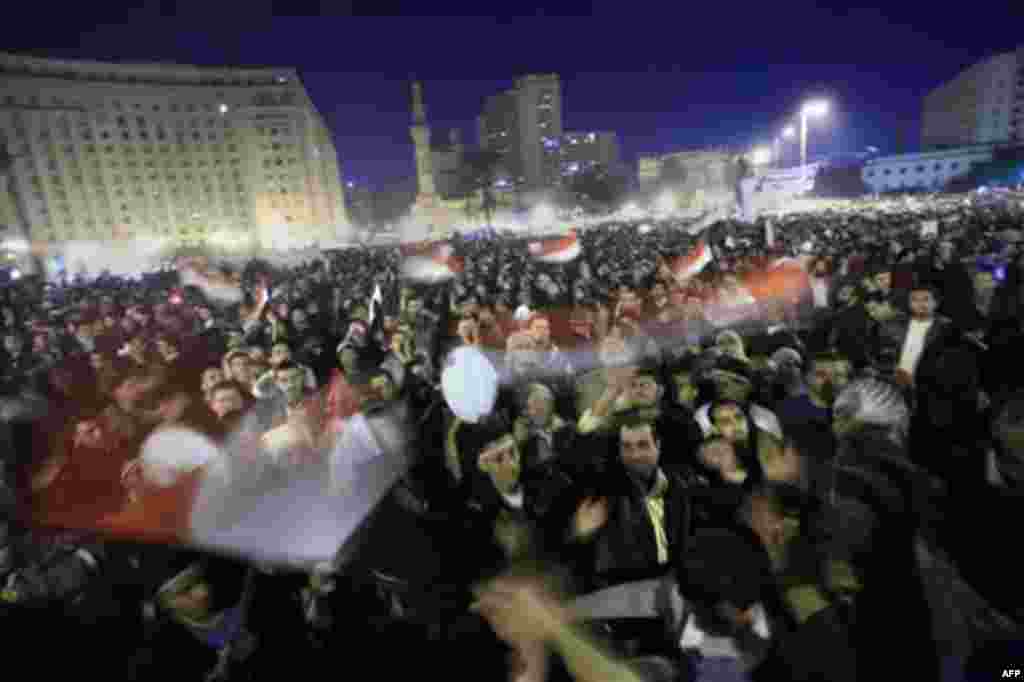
<point>690,265</point>
<point>560,250</point>
<point>217,286</point>
<point>430,262</point>
<point>785,279</point>
<point>163,481</point>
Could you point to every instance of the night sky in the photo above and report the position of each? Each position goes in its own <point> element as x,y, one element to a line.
<point>662,80</point>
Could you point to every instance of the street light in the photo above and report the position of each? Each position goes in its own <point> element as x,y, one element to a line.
<point>813,109</point>
<point>787,133</point>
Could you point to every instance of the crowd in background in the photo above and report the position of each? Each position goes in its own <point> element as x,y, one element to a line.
<point>821,474</point>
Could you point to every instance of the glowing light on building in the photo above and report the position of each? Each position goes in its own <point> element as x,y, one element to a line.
<point>666,202</point>
<point>761,156</point>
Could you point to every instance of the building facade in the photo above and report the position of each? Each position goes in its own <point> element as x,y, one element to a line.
<point>979,106</point>
<point>194,155</point>
<point>582,151</point>
<point>1017,116</point>
<point>648,170</point>
<point>925,171</point>
<point>446,161</point>
<point>524,126</point>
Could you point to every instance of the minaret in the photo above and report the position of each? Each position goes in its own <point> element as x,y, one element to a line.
<point>421,138</point>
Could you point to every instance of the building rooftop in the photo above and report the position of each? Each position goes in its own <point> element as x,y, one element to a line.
<point>157,73</point>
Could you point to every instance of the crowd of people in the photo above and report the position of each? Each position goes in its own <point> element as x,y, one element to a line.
<point>783,464</point>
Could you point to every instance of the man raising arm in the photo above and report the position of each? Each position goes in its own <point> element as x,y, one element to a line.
<point>532,622</point>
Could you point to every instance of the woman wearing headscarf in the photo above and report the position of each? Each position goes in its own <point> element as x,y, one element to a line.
<point>873,502</point>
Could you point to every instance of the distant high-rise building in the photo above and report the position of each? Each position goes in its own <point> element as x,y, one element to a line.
<point>524,125</point>
<point>581,151</point>
<point>981,105</point>
<point>193,154</point>
<point>1017,122</point>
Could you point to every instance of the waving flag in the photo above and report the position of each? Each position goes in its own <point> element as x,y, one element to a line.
<point>560,250</point>
<point>430,262</point>
<point>786,279</point>
<point>215,285</point>
<point>690,265</point>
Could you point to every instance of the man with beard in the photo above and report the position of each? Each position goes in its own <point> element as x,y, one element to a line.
<point>280,353</point>
<point>807,418</point>
<point>228,404</point>
<point>632,535</point>
<point>551,359</point>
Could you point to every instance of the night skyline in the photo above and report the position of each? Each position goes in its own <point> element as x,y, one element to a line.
<point>660,81</point>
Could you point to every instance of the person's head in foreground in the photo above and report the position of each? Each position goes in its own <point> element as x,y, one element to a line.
<point>291,380</point>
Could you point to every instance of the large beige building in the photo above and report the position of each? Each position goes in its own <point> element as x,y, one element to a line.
<point>193,154</point>
<point>524,125</point>
<point>981,105</point>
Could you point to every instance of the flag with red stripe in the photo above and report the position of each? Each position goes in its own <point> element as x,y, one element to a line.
<point>430,262</point>
<point>693,263</point>
<point>215,285</point>
<point>558,250</point>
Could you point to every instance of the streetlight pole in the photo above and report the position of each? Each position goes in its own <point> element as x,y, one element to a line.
<point>816,109</point>
<point>787,133</point>
<point>803,147</point>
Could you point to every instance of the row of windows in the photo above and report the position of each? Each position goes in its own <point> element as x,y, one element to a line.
<point>58,180</point>
<point>954,165</point>
<point>125,214</point>
<point>160,135</point>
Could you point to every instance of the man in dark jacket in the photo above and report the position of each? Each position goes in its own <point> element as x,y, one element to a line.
<point>647,521</point>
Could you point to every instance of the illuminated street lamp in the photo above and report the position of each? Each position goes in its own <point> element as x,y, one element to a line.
<point>787,133</point>
<point>813,109</point>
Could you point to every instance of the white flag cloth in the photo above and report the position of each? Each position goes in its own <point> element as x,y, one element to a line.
<point>377,297</point>
<point>692,263</point>
<point>560,250</point>
<point>301,517</point>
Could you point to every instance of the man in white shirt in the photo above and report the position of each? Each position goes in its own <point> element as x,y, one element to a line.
<point>921,331</point>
